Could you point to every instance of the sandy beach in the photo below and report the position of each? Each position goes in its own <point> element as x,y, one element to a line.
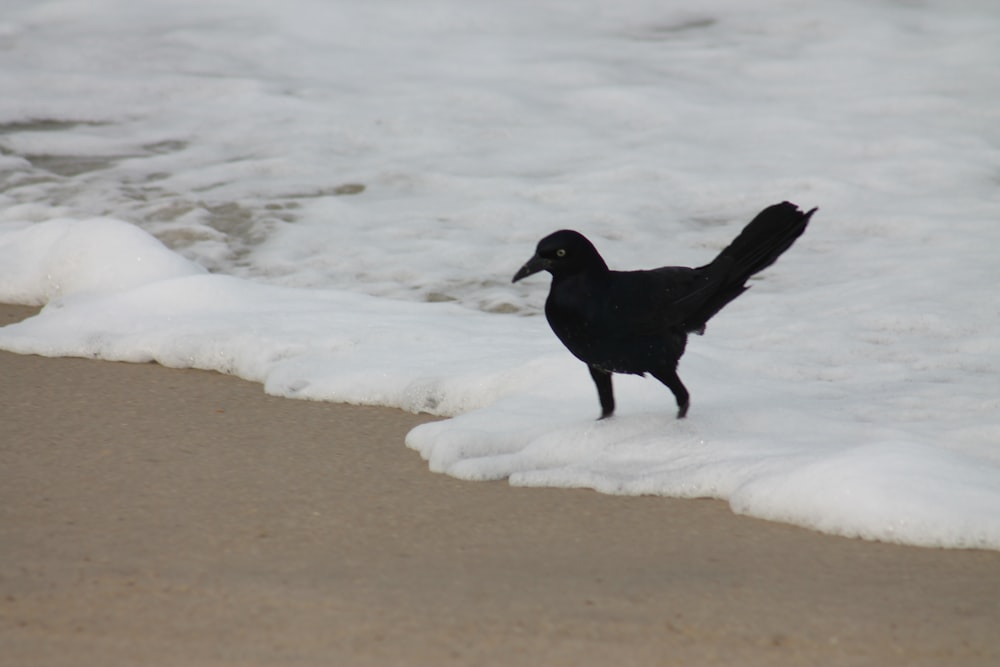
<point>153,516</point>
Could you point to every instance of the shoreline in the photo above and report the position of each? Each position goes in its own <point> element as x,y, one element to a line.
<point>163,517</point>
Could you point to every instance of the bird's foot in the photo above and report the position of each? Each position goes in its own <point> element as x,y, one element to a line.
<point>682,410</point>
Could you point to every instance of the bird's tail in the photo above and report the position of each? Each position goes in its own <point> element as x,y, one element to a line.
<point>760,243</point>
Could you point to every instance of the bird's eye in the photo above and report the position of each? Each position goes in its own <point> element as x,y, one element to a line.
<point>561,252</point>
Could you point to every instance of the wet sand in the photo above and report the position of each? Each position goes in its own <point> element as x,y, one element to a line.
<point>152,516</point>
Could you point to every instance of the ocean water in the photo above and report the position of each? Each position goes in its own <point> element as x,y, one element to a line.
<point>330,198</point>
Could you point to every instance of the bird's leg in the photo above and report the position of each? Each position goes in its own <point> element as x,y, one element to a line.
<point>673,382</point>
<point>605,392</point>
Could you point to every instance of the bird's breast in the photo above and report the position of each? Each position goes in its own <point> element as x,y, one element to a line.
<point>586,323</point>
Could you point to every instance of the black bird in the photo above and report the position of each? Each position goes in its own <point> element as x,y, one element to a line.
<point>638,321</point>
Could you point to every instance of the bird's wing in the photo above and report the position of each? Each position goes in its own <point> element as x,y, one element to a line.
<point>664,300</point>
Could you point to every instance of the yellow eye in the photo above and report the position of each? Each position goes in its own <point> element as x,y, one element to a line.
<point>560,253</point>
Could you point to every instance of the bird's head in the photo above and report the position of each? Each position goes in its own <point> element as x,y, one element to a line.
<point>563,253</point>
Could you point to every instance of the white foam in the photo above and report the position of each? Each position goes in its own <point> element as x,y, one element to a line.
<point>338,165</point>
<point>60,258</point>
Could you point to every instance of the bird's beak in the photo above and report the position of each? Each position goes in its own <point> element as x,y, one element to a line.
<point>533,265</point>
